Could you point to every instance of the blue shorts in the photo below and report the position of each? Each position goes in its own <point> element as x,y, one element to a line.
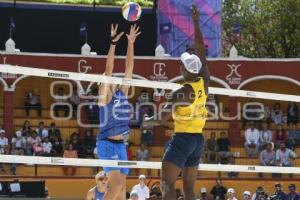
<point>107,150</point>
<point>185,150</point>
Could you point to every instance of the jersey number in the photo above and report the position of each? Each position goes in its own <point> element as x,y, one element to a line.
<point>199,94</point>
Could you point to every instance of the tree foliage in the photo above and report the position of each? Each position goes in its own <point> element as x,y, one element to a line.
<point>268,28</point>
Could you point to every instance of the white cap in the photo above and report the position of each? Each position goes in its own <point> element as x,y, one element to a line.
<point>191,62</point>
<point>230,190</point>
<point>203,190</point>
<point>142,176</point>
<point>2,131</point>
<point>247,193</point>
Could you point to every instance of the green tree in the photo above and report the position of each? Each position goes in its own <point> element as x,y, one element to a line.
<point>269,28</point>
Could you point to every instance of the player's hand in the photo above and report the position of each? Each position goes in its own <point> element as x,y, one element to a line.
<point>134,32</point>
<point>195,13</point>
<point>115,37</point>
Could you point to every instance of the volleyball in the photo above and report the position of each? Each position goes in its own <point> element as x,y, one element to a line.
<point>131,11</point>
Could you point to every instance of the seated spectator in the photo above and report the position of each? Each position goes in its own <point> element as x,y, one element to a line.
<point>277,114</point>
<point>28,145</point>
<point>265,136</point>
<point>267,114</point>
<point>155,192</point>
<point>33,102</point>
<point>76,143</point>
<point>143,153</point>
<point>141,188</point>
<point>231,161</point>
<point>284,157</point>
<point>134,195</point>
<point>54,131</point>
<point>292,195</point>
<point>57,146</point>
<point>246,195</point>
<point>26,129</point>
<point>70,153</point>
<point>218,191</point>
<point>211,147</point>
<point>292,113</point>
<point>146,133</point>
<point>280,136</point>
<point>231,194</point>
<point>279,194</point>
<point>267,157</point>
<point>293,136</point>
<point>129,151</point>
<point>17,144</point>
<point>60,99</point>
<point>92,110</point>
<point>89,143</point>
<point>42,131</point>
<point>74,100</point>
<point>46,147</point>
<point>260,194</point>
<point>223,148</point>
<point>252,140</point>
<point>4,148</point>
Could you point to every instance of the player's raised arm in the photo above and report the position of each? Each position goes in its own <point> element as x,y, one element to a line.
<point>134,32</point>
<point>200,47</point>
<point>105,92</point>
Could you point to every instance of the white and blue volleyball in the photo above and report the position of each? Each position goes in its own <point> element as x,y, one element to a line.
<point>131,11</point>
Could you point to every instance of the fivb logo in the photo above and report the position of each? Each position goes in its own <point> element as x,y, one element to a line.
<point>234,77</point>
<point>159,72</point>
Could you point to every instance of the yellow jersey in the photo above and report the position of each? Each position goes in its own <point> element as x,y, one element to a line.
<point>192,118</point>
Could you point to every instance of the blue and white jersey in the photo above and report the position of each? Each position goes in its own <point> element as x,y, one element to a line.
<point>98,195</point>
<point>114,117</point>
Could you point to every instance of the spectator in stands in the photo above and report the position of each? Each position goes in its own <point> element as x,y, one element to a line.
<point>279,194</point>
<point>28,145</point>
<point>284,157</point>
<point>292,113</point>
<point>293,195</point>
<point>231,161</point>
<point>141,188</point>
<point>203,194</point>
<point>17,144</point>
<point>267,157</point>
<point>60,99</point>
<point>54,131</point>
<point>277,114</point>
<point>267,114</point>
<point>252,140</point>
<point>4,148</point>
<point>231,194</point>
<point>26,129</point>
<point>76,143</point>
<point>179,194</point>
<point>144,97</point>
<point>211,148</point>
<point>246,195</point>
<point>223,148</point>
<point>265,136</point>
<point>143,153</point>
<point>146,133</point>
<point>293,136</point>
<point>36,143</point>
<point>260,194</point>
<point>92,110</point>
<point>155,192</point>
<point>280,136</point>
<point>33,102</point>
<point>218,191</point>
<point>70,153</point>
<point>129,151</point>
<point>41,130</point>
<point>89,143</point>
<point>46,147</point>
<point>134,195</point>
<point>57,146</point>
<point>74,100</point>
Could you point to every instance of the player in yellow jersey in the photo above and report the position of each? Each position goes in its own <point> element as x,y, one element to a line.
<point>189,115</point>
